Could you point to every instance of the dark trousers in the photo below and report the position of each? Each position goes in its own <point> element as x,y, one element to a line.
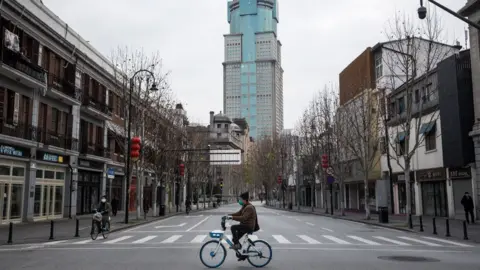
<point>238,231</point>
<point>114,211</point>
<point>469,211</point>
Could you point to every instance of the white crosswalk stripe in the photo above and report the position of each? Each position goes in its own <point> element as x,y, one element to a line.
<point>366,241</point>
<point>277,238</point>
<point>118,239</point>
<point>145,239</point>
<point>400,243</point>
<point>281,239</point>
<point>308,239</point>
<point>419,241</point>
<point>337,240</point>
<point>172,239</point>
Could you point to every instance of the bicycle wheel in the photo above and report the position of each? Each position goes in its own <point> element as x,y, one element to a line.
<point>95,231</point>
<point>106,232</point>
<point>213,252</point>
<point>259,250</point>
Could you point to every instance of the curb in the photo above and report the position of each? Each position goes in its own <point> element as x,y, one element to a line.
<point>347,219</point>
<point>34,241</point>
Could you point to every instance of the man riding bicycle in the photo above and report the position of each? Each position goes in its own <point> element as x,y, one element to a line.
<point>248,220</point>
<point>104,208</point>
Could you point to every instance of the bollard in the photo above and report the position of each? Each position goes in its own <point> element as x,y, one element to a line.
<point>421,223</point>
<point>434,226</point>
<point>465,235</point>
<point>410,222</point>
<point>77,228</point>
<point>51,230</point>
<point>10,233</point>
<point>447,223</point>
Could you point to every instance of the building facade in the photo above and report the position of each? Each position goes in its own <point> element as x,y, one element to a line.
<point>472,11</point>
<point>253,75</point>
<point>62,120</point>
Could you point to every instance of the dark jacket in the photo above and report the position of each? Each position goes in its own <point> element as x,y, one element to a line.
<point>467,203</point>
<point>247,216</point>
<point>104,208</point>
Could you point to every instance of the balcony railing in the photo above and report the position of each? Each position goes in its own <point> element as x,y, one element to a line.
<point>64,86</point>
<point>92,102</point>
<point>118,157</point>
<point>23,64</point>
<point>18,130</point>
<point>53,138</point>
<point>94,149</point>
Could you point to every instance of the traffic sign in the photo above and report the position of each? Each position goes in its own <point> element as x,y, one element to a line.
<point>330,179</point>
<point>110,173</point>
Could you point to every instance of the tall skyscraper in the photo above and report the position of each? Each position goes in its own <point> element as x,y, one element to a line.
<point>252,71</point>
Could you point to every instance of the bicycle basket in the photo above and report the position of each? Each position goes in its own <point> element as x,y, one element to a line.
<point>97,217</point>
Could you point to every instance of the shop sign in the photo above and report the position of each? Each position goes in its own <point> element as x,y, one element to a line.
<point>460,173</point>
<point>51,157</point>
<point>9,150</point>
<point>431,174</point>
<point>90,164</point>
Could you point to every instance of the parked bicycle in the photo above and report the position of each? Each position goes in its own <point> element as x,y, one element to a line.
<point>250,249</point>
<point>97,226</point>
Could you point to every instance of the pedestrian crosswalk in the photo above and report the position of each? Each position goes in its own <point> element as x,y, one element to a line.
<point>276,239</point>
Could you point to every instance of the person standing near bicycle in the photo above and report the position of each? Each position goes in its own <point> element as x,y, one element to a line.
<point>247,216</point>
<point>105,209</point>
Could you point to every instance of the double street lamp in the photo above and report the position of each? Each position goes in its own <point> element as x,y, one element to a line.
<point>422,13</point>
<point>153,88</point>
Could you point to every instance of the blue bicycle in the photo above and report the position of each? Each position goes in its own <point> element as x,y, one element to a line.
<point>258,249</point>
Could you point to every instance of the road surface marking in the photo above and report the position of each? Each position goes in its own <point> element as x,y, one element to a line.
<point>363,240</point>
<point>392,241</point>
<point>327,229</point>
<point>337,240</point>
<point>198,239</point>
<point>171,239</point>
<point>297,219</point>
<point>54,242</point>
<point>290,217</point>
<point>81,229</point>
<point>420,241</point>
<point>171,226</point>
<point>308,239</point>
<point>196,225</point>
<point>118,239</point>
<point>83,242</point>
<point>149,224</point>
<point>194,216</point>
<point>447,241</point>
<point>311,224</point>
<point>281,239</point>
<point>145,239</point>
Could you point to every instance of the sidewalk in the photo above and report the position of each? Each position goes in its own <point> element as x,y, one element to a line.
<point>399,222</point>
<point>64,229</point>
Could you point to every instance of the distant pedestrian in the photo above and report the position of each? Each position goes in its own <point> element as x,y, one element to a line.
<point>114,206</point>
<point>467,203</point>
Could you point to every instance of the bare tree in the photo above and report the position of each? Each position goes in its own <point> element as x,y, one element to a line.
<point>410,57</point>
<point>197,160</point>
<point>358,127</point>
<point>146,104</point>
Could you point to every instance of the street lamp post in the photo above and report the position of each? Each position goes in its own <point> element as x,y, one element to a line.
<point>422,13</point>
<point>129,130</point>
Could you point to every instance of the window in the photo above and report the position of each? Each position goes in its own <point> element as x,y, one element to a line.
<point>378,65</point>
<point>10,106</point>
<point>401,105</point>
<point>417,96</point>
<point>55,115</point>
<point>431,140</point>
<point>400,148</point>
<point>383,145</point>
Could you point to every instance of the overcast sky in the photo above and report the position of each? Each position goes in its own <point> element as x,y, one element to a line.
<point>319,37</point>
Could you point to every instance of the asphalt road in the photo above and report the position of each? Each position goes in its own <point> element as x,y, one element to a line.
<point>299,241</point>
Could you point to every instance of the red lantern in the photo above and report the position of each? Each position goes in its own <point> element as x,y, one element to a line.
<point>279,179</point>
<point>135,148</point>
<point>181,169</point>
<point>325,164</point>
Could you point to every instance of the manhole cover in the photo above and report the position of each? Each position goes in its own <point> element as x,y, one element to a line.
<point>408,259</point>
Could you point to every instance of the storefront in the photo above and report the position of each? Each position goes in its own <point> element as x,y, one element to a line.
<point>400,193</point>
<point>115,184</point>
<point>50,186</point>
<point>461,181</point>
<point>434,194</point>
<point>12,182</point>
<point>89,181</point>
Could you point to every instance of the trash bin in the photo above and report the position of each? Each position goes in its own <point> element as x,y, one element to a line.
<point>161,211</point>
<point>383,214</point>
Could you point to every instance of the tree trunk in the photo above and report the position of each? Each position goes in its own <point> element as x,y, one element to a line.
<point>154,199</point>
<point>342,191</point>
<point>367,195</point>
<point>407,189</point>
